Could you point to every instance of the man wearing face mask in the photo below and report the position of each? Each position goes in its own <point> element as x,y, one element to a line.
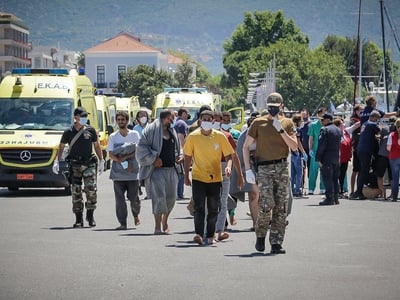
<point>81,139</point>
<point>158,152</point>
<point>273,135</point>
<point>182,130</point>
<point>205,147</point>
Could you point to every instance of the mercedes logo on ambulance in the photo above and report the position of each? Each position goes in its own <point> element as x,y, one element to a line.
<point>25,155</point>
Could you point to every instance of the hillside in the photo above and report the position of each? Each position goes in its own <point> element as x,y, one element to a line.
<point>197,28</point>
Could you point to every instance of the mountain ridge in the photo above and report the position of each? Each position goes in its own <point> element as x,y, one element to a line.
<point>198,29</point>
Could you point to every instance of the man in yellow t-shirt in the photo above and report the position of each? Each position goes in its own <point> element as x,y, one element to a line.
<point>205,147</point>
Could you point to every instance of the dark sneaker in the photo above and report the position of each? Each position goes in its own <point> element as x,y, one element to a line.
<point>326,202</point>
<point>260,244</point>
<point>356,196</point>
<point>277,249</point>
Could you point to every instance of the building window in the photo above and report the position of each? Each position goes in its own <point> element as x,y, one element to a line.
<point>121,69</point>
<point>101,76</point>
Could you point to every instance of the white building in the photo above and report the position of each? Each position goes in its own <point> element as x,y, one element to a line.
<point>43,57</point>
<point>106,60</point>
<point>14,46</point>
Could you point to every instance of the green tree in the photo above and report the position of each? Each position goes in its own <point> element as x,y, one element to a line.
<point>305,78</point>
<point>259,30</point>
<point>145,82</point>
<point>308,78</point>
<point>81,60</point>
<point>372,58</point>
<point>184,74</point>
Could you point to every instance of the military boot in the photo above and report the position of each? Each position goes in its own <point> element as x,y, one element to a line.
<point>328,200</point>
<point>90,218</point>
<point>336,198</point>
<point>277,249</point>
<point>79,220</point>
<point>260,244</point>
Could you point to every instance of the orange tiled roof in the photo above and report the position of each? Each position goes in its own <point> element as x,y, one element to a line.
<point>123,42</point>
<point>174,60</point>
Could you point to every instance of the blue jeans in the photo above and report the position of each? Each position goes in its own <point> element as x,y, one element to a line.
<point>395,167</point>
<point>180,188</point>
<point>221,219</point>
<point>296,173</point>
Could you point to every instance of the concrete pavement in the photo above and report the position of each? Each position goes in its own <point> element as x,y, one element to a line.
<point>347,251</point>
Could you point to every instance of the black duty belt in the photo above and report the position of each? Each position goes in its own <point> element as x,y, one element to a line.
<point>270,162</point>
<point>80,158</point>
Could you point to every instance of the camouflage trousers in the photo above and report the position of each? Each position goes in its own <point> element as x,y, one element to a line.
<point>273,184</point>
<point>87,173</point>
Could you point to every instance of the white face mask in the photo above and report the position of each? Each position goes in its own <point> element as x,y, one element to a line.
<point>216,125</point>
<point>143,120</point>
<point>83,121</point>
<point>206,126</point>
<point>226,127</point>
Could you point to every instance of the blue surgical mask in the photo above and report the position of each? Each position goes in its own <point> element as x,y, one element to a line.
<point>273,110</point>
<point>206,126</point>
<point>216,125</point>
<point>172,125</point>
<point>83,121</point>
<point>226,127</point>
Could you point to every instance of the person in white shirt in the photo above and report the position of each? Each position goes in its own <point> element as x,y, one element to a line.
<point>124,170</point>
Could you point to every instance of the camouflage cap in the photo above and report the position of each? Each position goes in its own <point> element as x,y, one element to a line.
<point>274,99</point>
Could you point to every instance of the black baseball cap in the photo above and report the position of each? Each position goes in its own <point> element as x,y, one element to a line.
<point>80,111</point>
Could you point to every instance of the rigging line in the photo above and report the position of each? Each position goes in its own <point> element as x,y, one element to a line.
<point>320,102</point>
<point>394,32</point>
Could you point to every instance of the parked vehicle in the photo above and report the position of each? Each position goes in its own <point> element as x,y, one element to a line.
<point>192,99</point>
<point>106,114</point>
<point>36,106</point>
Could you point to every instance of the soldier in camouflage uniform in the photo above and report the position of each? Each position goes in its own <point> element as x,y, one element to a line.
<point>83,165</point>
<point>274,135</point>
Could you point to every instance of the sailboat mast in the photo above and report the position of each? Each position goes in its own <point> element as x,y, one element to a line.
<point>384,56</point>
<point>357,55</point>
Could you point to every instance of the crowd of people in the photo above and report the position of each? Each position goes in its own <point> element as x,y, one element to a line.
<point>221,165</point>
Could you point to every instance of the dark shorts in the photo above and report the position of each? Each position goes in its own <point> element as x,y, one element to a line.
<point>380,165</point>
<point>356,162</point>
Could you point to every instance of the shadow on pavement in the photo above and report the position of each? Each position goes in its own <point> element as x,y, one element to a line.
<point>138,234</point>
<point>249,255</point>
<point>64,228</point>
<point>112,229</point>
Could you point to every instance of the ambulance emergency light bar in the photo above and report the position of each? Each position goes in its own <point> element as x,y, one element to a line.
<point>27,71</point>
<point>185,90</point>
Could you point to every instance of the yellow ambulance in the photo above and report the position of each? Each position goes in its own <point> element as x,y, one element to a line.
<point>106,115</point>
<point>36,106</point>
<point>130,105</point>
<point>192,99</point>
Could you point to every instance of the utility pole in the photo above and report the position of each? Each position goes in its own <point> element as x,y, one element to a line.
<point>384,56</point>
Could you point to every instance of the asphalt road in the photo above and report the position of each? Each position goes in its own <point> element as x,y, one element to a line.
<point>347,251</point>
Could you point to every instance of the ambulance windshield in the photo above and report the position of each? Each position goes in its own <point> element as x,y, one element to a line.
<point>36,113</point>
